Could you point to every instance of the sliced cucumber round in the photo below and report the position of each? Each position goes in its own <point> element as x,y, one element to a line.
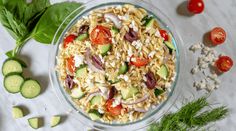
<point>94,114</point>
<point>13,82</point>
<point>55,120</point>
<point>17,112</point>
<point>11,66</point>
<point>30,89</point>
<point>77,93</point>
<point>34,122</point>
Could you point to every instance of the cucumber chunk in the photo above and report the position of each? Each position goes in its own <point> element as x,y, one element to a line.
<point>94,114</point>
<point>115,30</point>
<point>34,122</point>
<point>128,92</point>
<point>11,66</point>
<point>169,45</point>
<point>148,21</point>
<point>163,72</point>
<point>13,82</point>
<point>81,71</point>
<point>104,49</point>
<point>55,120</point>
<point>30,89</point>
<point>82,37</point>
<point>77,93</point>
<point>158,92</point>
<point>123,69</point>
<point>96,100</point>
<point>17,112</point>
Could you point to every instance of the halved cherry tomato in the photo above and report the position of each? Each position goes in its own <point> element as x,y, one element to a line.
<point>70,63</point>
<point>224,63</point>
<point>195,6</point>
<point>101,35</point>
<point>138,62</point>
<point>164,35</point>
<point>217,36</point>
<point>113,110</point>
<point>68,39</point>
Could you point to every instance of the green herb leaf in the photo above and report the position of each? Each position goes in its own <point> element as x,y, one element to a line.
<point>9,53</point>
<point>51,20</point>
<point>190,116</point>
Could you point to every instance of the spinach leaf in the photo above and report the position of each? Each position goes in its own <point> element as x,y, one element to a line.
<point>49,22</point>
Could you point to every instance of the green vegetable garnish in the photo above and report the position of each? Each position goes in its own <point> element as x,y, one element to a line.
<point>190,117</point>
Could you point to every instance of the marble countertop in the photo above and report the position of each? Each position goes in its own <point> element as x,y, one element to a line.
<point>216,13</point>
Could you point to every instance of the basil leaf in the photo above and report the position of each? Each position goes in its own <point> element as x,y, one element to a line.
<point>49,22</point>
<point>16,28</point>
<point>9,53</point>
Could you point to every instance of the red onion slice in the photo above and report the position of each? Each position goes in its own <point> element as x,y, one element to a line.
<point>69,81</point>
<point>140,110</point>
<point>89,62</point>
<point>114,19</point>
<point>91,95</point>
<point>137,101</point>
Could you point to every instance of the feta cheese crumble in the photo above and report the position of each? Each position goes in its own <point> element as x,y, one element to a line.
<point>78,60</point>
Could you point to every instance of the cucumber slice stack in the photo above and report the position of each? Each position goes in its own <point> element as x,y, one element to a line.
<point>14,82</point>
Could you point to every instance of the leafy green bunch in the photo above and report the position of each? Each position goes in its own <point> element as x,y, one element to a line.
<point>38,20</point>
<point>192,116</point>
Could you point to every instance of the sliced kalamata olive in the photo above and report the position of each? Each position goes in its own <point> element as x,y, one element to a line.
<point>112,92</point>
<point>83,29</point>
<point>69,81</point>
<point>97,62</point>
<point>131,35</point>
<point>151,80</point>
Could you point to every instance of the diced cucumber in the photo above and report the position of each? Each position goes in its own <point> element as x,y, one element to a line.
<point>13,82</point>
<point>169,45</point>
<point>34,122</point>
<point>11,65</point>
<point>158,92</point>
<point>55,120</point>
<point>17,112</point>
<point>81,71</point>
<point>115,30</point>
<point>30,89</point>
<point>114,82</point>
<point>96,100</point>
<point>94,114</point>
<point>163,72</point>
<point>104,49</point>
<point>128,92</point>
<point>148,21</point>
<point>82,37</point>
<point>77,93</point>
<point>123,69</point>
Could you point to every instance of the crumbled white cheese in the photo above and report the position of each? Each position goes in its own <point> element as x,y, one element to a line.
<point>144,78</point>
<point>130,52</point>
<point>133,59</point>
<point>116,101</point>
<point>151,54</point>
<point>133,26</point>
<point>137,44</point>
<point>118,55</point>
<point>157,33</point>
<point>113,41</point>
<point>124,77</point>
<point>113,64</point>
<point>100,110</point>
<point>101,58</point>
<point>85,17</point>
<point>147,41</point>
<point>167,85</point>
<point>78,60</point>
<point>196,47</point>
<point>87,43</point>
<point>195,70</point>
<point>125,17</point>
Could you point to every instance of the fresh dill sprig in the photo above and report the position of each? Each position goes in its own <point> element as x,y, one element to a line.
<point>190,117</point>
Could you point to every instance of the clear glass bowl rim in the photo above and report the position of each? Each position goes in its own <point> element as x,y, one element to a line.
<point>155,114</point>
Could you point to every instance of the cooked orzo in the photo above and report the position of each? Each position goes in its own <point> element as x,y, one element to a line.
<point>117,63</point>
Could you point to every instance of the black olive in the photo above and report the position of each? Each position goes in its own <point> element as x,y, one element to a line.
<point>83,29</point>
<point>151,80</point>
<point>131,35</point>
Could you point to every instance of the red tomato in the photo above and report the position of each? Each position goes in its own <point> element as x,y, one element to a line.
<point>138,62</point>
<point>224,63</point>
<point>70,63</point>
<point>217,36</point>
<point>101,35</point>
<point>113,110</point>
<point>164,35</point>
<point>68,39</point>
<point>195,6</point>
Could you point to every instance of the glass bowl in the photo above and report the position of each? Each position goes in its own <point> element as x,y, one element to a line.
<point>150,116</point>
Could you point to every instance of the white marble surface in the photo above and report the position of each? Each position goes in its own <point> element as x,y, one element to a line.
<point>217,13</point>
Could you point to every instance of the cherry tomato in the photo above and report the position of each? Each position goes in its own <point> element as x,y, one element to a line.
<point>164,35</point>
<point>195,6</point>
<point>224,63</point>
<point>138,62</point>
<point>101,35</point>
<point>217,36</point>
<point>69,39</point>
<point>70,63</point>
<point>113,110</point>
